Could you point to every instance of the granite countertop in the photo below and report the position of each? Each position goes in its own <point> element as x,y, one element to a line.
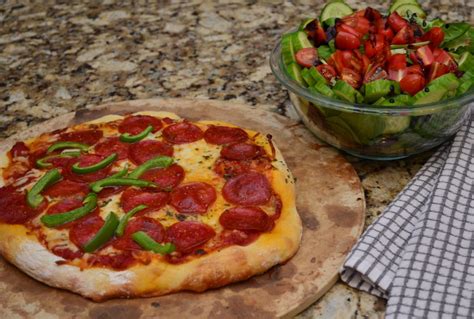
<point>57,58</point>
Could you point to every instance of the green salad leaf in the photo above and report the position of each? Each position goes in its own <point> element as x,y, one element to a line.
<point>464,43</point>
<point>453,31</point>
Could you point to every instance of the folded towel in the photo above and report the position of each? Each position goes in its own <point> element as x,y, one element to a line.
<point>419,254</point>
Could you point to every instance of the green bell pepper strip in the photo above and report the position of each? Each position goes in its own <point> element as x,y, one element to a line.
<point>121,173</point>
<point>94,167</point>
<point>63,145</point>
<point>104,234</point>
<point>124,220</point>
<point>128,138</point>
<point>96,187</point>
<point>42,162</point>
<point>147,243</point>
<point>33,196</point>
<point>90,203</point>
<point>160,161</point>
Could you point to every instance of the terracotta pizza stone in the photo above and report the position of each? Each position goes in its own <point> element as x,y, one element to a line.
<point>330,201</point>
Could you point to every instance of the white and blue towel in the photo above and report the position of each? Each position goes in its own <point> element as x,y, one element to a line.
<point>419,254</point>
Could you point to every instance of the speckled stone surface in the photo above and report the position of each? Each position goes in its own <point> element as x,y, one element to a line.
<point>63,56</point>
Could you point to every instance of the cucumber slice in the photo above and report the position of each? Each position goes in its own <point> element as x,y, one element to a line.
<point>398,100</point>
<point>379,101</point>
<point>335,10</point>
<point>344,91</point>
<point>466,62</point>
<point>365,126</point>
<point>376,89</point>
<point>396,4</point>
<point>307,77</point>
<point>437,124</point>
<point>323,89</point>
<point>465,86</point>
<point>287,52</point>
<point>294,71</point>
<point>299,40</point>
<point>317,76</point>
<point>406,10</point>
<point>395,124</point>
<point>342,130</point>
<point>448,81</point>
<point>430,94</point>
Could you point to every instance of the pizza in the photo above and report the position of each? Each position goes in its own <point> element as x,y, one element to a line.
<point>146,204</point>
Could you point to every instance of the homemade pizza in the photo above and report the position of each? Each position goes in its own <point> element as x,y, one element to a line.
<point>146,204</point>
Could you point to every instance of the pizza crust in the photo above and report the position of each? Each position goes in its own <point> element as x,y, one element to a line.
<point>218,268</point>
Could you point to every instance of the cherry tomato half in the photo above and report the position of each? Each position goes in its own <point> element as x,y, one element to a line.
<point>425,54</point>
<point>396,22</point>
<point>307,57</point>
<point>412,83</point>
<point>397,62</point>
<point>435,36</point>
<point>327,71</point>
<point>436,70</point>
<point>359,24</point>
<point>347,41</point>
<point>404,36</point>
<point>375,72</point>
<point>351,77</point>
<point>374,45</point>
<point>388,34</point>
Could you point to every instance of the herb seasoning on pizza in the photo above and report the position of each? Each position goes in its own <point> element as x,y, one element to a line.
<point>145,205</point>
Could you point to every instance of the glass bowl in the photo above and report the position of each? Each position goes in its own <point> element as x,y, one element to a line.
<point>374,132</point>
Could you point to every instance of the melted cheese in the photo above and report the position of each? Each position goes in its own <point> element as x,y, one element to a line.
<point>197,159</point>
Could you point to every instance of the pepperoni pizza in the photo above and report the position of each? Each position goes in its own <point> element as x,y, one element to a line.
<point>146,204</point>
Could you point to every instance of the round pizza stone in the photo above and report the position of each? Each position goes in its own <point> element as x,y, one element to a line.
<point>330,202</point>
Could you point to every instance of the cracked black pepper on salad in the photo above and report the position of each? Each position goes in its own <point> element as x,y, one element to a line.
<point>367,57</point>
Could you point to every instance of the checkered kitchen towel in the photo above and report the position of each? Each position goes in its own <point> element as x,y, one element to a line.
<point>419,254</point>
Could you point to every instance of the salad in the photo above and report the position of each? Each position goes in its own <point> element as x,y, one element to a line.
<point>367,57</point>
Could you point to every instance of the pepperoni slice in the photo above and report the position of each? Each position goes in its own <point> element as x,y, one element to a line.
<point>142,151</point>
<point>66,253</point>
<point>193,198</point>
<point>89,137</point>
<point>225,135</point>
<point>19,150</point>
<point>86,160</point>
<point>133,197</point>
<point>146,224</point>
<point>246,218</point>
<point>181,133</point>
<point>189,235</point>
<point>247,189</point>
<point>61,162</point>
<point>109,191</point>
<point>229,168</point>
<point>64,206</point>
<point>241,151</point>
<point>13,206</point>
<point>166,178</point>
<point>67,188</point>
<point>134,124</point>
<point>112,145</point>
<point>85,230</point>
<point>119,261</point>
